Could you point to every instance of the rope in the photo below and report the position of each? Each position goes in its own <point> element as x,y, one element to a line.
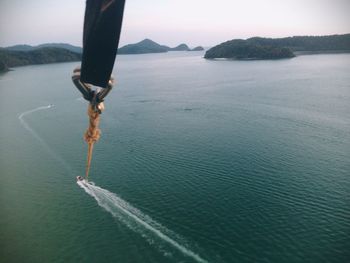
<point>92,134</point>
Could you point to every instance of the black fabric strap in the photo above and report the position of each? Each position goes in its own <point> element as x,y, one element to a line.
<point>102,26</point>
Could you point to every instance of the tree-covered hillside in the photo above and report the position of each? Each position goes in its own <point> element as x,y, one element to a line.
<point>143,47</point>
<point>270,48</point>
<point>149,46</point>
<point>10,58</point>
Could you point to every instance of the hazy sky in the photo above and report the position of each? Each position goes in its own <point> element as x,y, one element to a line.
<point>170,22</point>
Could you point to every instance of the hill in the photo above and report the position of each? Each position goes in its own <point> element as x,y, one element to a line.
<point>69,47</point>
<point>199,48</point>
<point>149,46</point>
<point>143,47</point>
<point>181,47</point>
<point>9,58</point>
<point>21,55</point>
<point>242,49</point>
<point>269,48</point>
<point>20,48</point>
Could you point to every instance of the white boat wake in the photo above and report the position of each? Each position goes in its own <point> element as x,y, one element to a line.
<point>20,117</point>
<point>136,220</point>
<point>37,137</point>
<point>119,208</point>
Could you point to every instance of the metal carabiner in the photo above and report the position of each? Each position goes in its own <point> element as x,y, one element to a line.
<point>104,92</point>
<point>95,97</point>
<point>85,89</point>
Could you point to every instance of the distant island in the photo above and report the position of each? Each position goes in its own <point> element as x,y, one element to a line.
<point>149,46</point>
<point>249,49</point>
<point>22,55</point>
<point>199,48</point>
<point>278,48</point>
<point>44,55</point>
<point>69,47</point>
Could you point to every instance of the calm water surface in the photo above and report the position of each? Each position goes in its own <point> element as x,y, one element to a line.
<point>230,161</point>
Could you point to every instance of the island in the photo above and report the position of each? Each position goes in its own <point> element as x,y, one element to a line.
<point>149,46</point>
<point>143,47</point>
<point>199,48</point>
<point>45,55</point>
<point>70,47</point>
<point>278,48</point>
<point>181,47</point>
<point>21,55</point>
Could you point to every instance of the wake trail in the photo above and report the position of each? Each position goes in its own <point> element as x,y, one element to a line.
<point>38,138</point>
<point>135,219</point>
<point>119,208</point>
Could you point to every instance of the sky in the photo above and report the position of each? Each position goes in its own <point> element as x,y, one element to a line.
<point>171,22</point>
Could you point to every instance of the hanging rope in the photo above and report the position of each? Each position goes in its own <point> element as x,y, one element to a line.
<point>93,133</point>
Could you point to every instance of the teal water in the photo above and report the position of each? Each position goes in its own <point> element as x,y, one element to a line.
<point>199,161</point>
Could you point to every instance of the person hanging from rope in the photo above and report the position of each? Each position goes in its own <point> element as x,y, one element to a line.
<point>102,27</point>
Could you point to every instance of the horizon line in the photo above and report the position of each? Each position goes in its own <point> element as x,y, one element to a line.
<point>254,36</point>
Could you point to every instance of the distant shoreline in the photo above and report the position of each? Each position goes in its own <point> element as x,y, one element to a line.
<point>296,53</point>
<point>242,50</point>
<point>301,53</point>
<point>47,55</point>
<point>257,48</point>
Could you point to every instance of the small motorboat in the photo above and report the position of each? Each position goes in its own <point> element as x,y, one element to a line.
<point>80,178</point>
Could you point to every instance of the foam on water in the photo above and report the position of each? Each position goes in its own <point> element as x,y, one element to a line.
<point>37,137</point>
<point>136,220</point>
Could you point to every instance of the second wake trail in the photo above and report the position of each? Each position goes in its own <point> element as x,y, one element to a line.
<point>138,222</point>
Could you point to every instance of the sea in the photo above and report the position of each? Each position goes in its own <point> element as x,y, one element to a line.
<point>199,161</point>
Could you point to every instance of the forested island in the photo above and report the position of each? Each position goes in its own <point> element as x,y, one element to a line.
<point>70,47</point>
<point>44,55</point>
<point>149,46</point>
<point>249,49</point>
<point>22,55</point>
<point>278,48</point>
